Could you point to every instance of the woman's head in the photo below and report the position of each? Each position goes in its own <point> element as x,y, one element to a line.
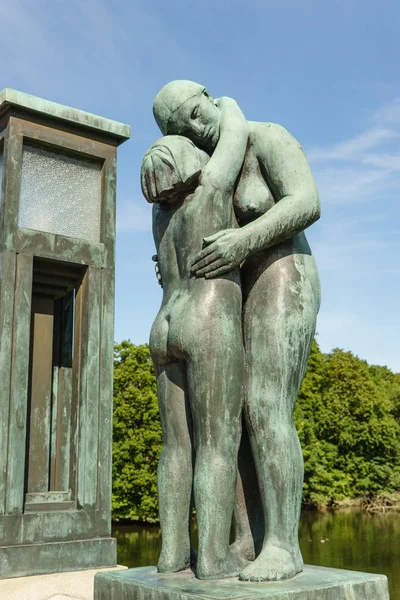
<point>186,108</point>
<point>170,167</point>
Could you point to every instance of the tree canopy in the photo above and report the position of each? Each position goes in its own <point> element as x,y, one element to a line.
<point>347,417</point>
<point>137,437</point>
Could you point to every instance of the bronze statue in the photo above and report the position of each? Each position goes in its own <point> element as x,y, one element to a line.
<point>263,169</point>
<point>196,345</point>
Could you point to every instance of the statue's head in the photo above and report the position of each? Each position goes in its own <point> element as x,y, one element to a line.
<point>186,108</point>
<point>171,168</point>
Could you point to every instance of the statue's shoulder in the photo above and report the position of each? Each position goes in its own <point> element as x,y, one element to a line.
<point>270,130</point>
<point>264,135</point>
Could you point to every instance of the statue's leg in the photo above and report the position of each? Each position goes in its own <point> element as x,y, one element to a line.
<point>174,475</point>
<point>215,382</point>
<point>279,325</point>
<point>248,517</point>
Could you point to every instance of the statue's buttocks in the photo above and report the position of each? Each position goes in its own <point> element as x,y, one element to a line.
<point>214,321</point>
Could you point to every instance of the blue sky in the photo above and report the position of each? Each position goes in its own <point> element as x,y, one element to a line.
<point>327,71</point>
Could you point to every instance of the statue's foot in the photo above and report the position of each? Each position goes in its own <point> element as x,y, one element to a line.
<point>171,563</point>
<point>243,546</point>
<point>273,564</point>
<point>214,569</point>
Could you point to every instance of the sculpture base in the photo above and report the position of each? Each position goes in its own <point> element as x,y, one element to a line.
<point>56,557</point>
<point>314,583</point>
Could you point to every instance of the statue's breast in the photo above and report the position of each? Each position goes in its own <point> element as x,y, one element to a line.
<point>252,196</point>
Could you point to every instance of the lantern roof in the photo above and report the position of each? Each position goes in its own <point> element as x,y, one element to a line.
<point>13,99</point>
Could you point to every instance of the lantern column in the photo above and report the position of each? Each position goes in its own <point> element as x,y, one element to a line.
<point>57,259</point>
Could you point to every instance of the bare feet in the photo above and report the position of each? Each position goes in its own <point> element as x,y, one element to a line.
<point>169,563</point>
<point>212,569</point>
<point>243,546</point>
<point>273,564</point>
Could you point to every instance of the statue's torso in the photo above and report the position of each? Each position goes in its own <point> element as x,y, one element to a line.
<point>252,196</point>
<point>179,230</point>
<point>190,302</point>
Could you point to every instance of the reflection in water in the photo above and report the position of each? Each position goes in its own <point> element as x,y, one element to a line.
<point>137,545</point>
<point>343,539</point>
<point>354,540</point>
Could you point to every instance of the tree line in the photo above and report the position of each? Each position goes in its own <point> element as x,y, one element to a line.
<point>347,416</point>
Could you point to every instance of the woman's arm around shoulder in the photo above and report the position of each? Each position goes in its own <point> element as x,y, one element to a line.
<point>297,205</point>
<point>285,166</point>
<point>223,168</point>
<point>288,175</point>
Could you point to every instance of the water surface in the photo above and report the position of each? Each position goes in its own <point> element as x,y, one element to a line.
<point>342,539</point>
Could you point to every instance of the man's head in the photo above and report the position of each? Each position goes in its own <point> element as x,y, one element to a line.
<point>183,107</point>
<point>171,167</point>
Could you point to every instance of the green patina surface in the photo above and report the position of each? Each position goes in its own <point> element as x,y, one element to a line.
<point>314,583</point>
<point>230,195</point>
<point>10,97</point>
<point>56,357</point>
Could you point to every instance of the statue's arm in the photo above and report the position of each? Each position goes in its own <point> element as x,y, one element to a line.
<point>223,168</point>
<point>290,179</point>
<point>288,174</point>
<point>158,229</point>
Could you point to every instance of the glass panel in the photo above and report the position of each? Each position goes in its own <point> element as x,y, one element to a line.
<point>60,194</point>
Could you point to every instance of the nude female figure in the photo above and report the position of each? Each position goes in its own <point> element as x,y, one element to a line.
<point>275,199</point>
<point>196,344</point>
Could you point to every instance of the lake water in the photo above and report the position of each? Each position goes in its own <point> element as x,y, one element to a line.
<point>342,539</point>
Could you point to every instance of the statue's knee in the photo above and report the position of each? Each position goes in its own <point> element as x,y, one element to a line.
<point>180,454</point>
<point>273,426</point>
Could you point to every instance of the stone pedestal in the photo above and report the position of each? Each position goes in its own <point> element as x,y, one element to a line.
<point>315,583</point>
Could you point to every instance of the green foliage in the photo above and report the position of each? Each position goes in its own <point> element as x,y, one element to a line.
<point>347,416</point>
<point>137,434</point>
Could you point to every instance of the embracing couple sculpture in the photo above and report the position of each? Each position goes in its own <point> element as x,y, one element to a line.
<point>232,338</point>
